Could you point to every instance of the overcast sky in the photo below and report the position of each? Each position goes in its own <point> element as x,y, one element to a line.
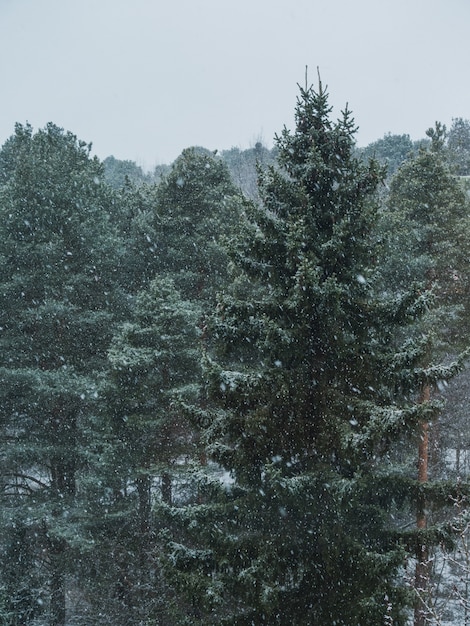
<point>144,79</point>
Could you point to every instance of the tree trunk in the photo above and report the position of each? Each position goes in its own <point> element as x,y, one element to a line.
<point>166,488</point>
<point>63,480</point>
<point>143,489</point>
<point>138,590</point>
<point>57,583</point>
<point>422,551</point>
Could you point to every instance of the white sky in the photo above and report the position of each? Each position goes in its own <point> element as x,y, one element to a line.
<point>144,79</point>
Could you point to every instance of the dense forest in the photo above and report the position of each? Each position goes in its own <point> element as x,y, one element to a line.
<point>233,389</point>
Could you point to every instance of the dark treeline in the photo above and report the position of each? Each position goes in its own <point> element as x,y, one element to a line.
<point>233,389</point>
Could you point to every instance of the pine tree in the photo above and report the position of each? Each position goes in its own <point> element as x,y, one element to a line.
<point>196,206</point>
<point>173,265</point>
<point>427,211</point>
<point>176,227</point>
<point>426,216</point>
<point>58,300</point>
<point>314,381</point>
<point>153,362</point>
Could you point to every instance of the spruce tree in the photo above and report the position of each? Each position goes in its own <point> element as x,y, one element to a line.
<point>314,380</point>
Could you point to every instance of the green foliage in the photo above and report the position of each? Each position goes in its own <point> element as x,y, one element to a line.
<point>311,310</point>
<point>58,301</point>
<point>119,173</point>
<point>426,226</point>
<point>154,359</point>
<point>196,206</point>
<point>311,387</point>
<point>177,228</point>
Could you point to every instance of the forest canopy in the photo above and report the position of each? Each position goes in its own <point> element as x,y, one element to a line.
<point>233,389</point>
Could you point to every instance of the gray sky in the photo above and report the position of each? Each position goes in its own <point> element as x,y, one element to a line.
<point>144,79</point>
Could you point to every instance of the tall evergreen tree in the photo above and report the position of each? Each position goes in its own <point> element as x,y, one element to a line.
<point>173,266</point>
<point>427,211</point>
<point>315,379</point>
<point>58,299</point>
<point>154,360</point>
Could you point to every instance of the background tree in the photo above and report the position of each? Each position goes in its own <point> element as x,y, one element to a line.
<point>458,146</point>
<point>243,166</point>
<point>391,151</point>
<point>118,173</point>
